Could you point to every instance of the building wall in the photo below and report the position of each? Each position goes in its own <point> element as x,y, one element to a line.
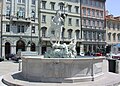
<point>49,13</point>
<point>93,30</point>
<point>17,14</point>
<point>113,30</point>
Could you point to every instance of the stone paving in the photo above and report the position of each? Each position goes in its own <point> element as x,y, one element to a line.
<point>7,67</point>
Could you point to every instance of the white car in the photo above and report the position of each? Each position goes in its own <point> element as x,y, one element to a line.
<point>82,54</point>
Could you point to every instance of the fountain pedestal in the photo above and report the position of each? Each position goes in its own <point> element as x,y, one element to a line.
<point>61,69</point>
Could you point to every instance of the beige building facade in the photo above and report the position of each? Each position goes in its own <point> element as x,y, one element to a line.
<point>113,31</point>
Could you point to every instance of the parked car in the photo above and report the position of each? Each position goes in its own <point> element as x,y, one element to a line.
<point>15,58</point>
<point>9,56</point>
<point>98,54</point>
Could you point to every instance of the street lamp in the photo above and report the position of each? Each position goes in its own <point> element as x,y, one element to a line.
<point>39,26</point>
<point>1,30</point>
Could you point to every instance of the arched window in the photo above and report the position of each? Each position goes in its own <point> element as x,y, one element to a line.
<point>69,33</point>
<point>114,36</point>
<point>20,46</point>
<point>44,31</point>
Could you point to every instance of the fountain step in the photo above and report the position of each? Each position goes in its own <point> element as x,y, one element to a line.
<point>83,79</point>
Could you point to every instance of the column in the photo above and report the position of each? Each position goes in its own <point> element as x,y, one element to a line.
<point>12,7</point>
<point>3,51</point>
<point>36,9</point>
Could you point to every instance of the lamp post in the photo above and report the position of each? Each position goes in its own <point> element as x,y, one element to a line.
<point>1,30</point>
<point>39,26</point>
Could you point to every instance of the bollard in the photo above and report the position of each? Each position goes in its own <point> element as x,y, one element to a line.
<point>19,69</point>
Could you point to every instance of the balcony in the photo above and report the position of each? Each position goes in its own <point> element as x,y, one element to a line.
<point>20,20</point>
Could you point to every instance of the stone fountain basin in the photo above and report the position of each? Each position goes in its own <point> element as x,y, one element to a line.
<point>37,68</point>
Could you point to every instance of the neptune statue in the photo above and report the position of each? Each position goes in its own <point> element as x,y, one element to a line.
<point>59,50</point>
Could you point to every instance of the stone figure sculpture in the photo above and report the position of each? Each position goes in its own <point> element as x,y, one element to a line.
<point>57,24</point>
<point>60,50</point>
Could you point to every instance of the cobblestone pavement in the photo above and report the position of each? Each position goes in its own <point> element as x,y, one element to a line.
<point>7,67</point>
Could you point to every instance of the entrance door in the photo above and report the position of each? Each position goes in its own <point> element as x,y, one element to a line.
<point>43,50</point>
<point>78,50</point>
<point>7,48</point>
<point>20,46</point>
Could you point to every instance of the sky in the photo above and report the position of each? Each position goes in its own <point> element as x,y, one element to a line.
<point>113,6</point>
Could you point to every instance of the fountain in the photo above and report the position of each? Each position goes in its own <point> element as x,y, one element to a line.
<point>60,63</point>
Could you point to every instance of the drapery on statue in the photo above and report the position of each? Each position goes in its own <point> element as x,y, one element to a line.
<point>60,50</point>
<point>57,24</point>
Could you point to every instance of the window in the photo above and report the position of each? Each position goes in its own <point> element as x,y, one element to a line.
<point>93,23</point>
<point>94,35</point>
<point>70,21</point>
<point>8,11</point>
<point>18,28</point>
<point>69,8</point>
<point>84,22</point>
<point>33,2</point>
<point>88,12</point>
<point>23,1</point>
<point>89,22</point>
<point>84,11</point>
<point>77,34</point>
<point>70,33</point>
<point>101,14</point>
<point>21,12</point>
<point>109,36</point>
<point>114,37</point>
<point>118,27</point>
<point>7,28</point>
<point>77,22</point>
<point>114,26</point>
<point>43,18</point>
<point>44,32</point>
<point>61,7</point>
<point>52,5</point>
<point>33,14</point>
<point>93,13</point>
<point>119,37</point>
<point>33,29</point>
<point>43,4</point>
<point>97,13</point>
<point>97,23</point>
<point>22,29</point>
<point>76,9</point>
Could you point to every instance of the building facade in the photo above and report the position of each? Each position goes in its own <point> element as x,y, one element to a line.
<point>19,28</point>
<point>85,20</point>
<point>72,27</point>
<point>93,25</point>
<point>113,31</point>
<point>26,24</point>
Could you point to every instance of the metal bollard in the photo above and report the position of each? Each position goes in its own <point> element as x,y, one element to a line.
<point>19,69</point>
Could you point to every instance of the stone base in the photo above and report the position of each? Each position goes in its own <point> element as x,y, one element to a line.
<point>61,69</point>
<point>108,79</point>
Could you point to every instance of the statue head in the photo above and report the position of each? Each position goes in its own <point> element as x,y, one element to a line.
<point>58,13</point>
